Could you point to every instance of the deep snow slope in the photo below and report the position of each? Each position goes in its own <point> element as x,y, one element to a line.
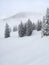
<point>32,50</point>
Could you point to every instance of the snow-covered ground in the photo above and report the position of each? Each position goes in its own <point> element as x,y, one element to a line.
<point>32,50</point>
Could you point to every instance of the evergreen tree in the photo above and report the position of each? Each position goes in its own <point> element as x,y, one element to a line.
<point>21,30</point>
<point>29,28</point>
<point>33,26</point>
<point>7,31</point>
<point>39,25</point>
<point>45,28</point>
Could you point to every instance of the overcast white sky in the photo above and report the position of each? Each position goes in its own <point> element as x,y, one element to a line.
<point>11,7</point>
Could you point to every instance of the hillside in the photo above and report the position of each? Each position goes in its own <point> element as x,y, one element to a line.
<point>17,18</point>
<point>23,16</point>
<point>32,50</point>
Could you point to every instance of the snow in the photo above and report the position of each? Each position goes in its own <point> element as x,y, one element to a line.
<point>32,50</point>
<point>28,50</point>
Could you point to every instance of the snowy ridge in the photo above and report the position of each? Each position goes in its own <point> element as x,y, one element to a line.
<point>24,16</point>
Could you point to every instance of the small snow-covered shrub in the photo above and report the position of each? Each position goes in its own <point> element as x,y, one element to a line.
<point>7,31</point>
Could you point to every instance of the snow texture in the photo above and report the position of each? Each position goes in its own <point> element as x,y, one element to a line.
<point>32,50</point>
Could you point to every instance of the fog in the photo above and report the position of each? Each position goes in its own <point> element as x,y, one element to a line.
<point>11,7</point>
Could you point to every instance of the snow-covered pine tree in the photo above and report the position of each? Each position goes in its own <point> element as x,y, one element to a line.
<point>45,28</point>
<point>7,31</point>
<point>29,28</point>
<point>21,30</point>
<point>39,25</point>
<point>33,26</point>
<point>45,25</point>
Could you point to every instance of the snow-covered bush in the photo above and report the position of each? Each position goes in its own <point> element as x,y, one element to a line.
<point>39,25</point>
<point>7,31</point>
<point>14,28</point>
<point>45,28</point>
<point>21,30</point>
<point>29,28</point>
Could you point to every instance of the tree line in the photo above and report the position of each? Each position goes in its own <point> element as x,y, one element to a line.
<point>26,29</point>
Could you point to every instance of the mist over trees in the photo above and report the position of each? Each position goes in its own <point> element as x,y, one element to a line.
<point>26,29</point>
<point>14,28</point>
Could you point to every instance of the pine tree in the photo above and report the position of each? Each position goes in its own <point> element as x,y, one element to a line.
<point>45,28</point>
<point>29,28</point>
<point>21,30</point>
<point>33,26</point>
<point>39,25</point>
<point>7,31</point>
